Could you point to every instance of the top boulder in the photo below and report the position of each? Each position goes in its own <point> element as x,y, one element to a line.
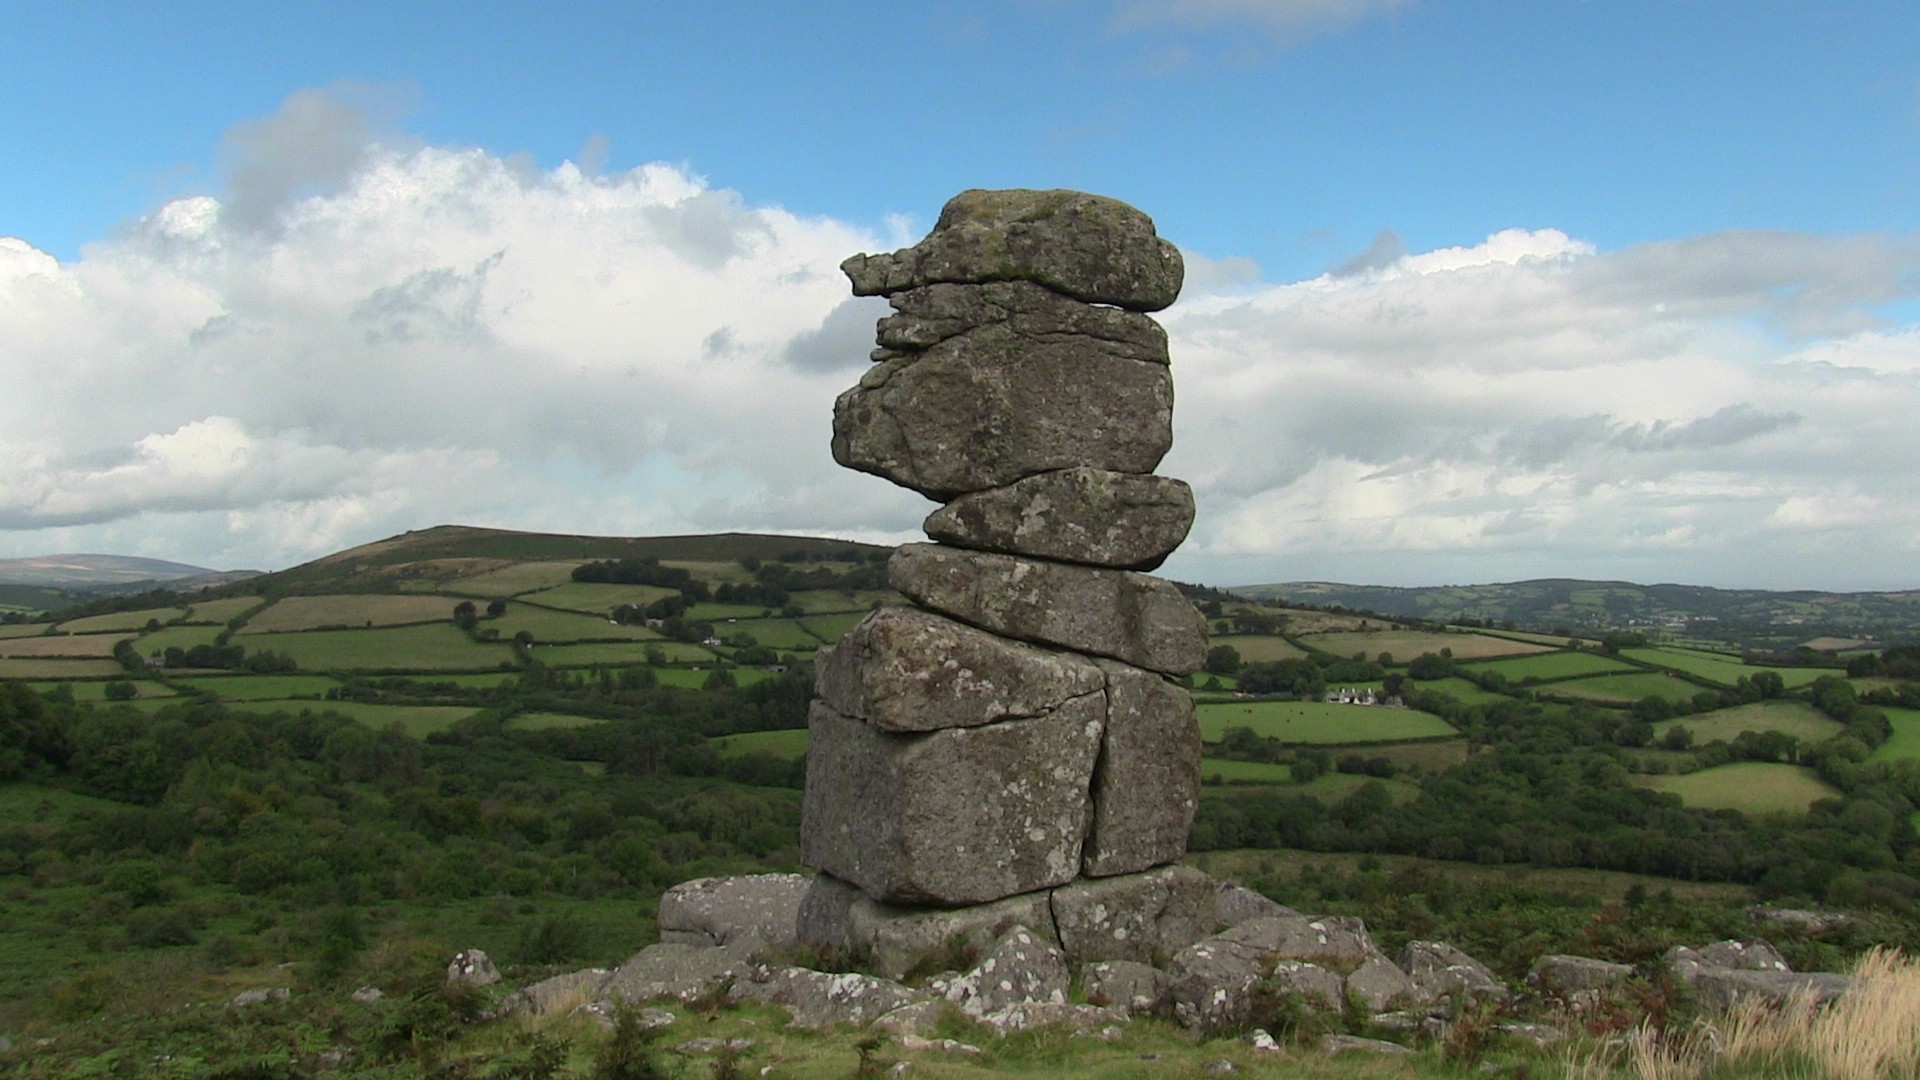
<point>1089,247</point>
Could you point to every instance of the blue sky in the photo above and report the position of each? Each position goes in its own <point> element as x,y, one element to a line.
<point>1478,291</point>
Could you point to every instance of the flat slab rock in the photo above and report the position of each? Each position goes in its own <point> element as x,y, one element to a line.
<point>1136,619</point>
<point>960,816</point>
<point>927,316</point>
<point>721,910</point>
<point>1090,247</point>
<point>1098,517</point>
<point>907,670</point>
<point>1143,917</point>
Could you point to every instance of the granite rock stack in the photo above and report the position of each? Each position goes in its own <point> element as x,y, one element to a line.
<point>1014,740</point>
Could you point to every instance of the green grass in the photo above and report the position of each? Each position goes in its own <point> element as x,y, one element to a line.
<point>598,599</point>
<point>184,637</point>
<point>1720,667</point>
<point>18,630</point>
<point>548,624</point>
<point>478,682</point>
<point>1793,718</point>
<point>435,647</point>
<point>1559,665</point>
<point>1905,742</point>
<point>260,687</point>
<point>96,690</point>
<point>862,601</point>
<point>1404,645</point>
<point>1320,723</point>
<point>1625,688</point>
<point>786,635</point>
<point>120,620</point>
<point>69,645</point>
<point>694,679</point>
<point>1261,648</point>
<point>513,580</point>
<point>1328,787</point>
<point>415,720</point>
<point>790,744</point>
<point>718,614</point>
<point>222,611</point>
<point>831,628</point>
<point>543,721</point>
<point>1463,691</point>
<point>1750,786</point>
<point>593,655</point>
<point>39,668</point>
<point>349,611</point>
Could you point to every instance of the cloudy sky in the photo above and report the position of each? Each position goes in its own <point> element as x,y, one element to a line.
<point>1476,291</point>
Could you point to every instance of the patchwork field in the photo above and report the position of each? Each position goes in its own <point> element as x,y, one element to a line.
<point>348,610</point>
<point>1748,786</point>
<point>222,611</point>
<point>418,721</point>
<point>120,620</point>
<point>1260,648</point>
<point>73,645</point>
<point>1462,690</point>
<point>1905,742</point>
<point>260,687</point>
<point>610,652</point>
<point>516,579</point>
<point>435,647</point>
<point>1787,717</point>
<point>784,634</point>
<point>1560,665</point>
<point>547,624</point>
<point>1720,667</point>
<point>1320,723</point>
<point>1329,787</point>
<point>828,600</point>
<point>1625,688</point>
<point>15,630</point>
<point>184,636</point>
<point>695,678</point>
<point>597,599</point>
<point>542,721</point>
<point>831,628</point>
<point>791,744</point>
<point>97,689</point>
<point>1404,645</point>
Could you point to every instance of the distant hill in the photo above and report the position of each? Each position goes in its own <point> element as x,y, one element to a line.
<point>80,571</point>
<point>1758,616</point>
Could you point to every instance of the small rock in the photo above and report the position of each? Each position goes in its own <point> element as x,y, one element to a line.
<point>1221,1066</point>
<point>1340,1044</point>
<point>367,995</point>
<point>1263,1042</point>
<point>719,910</point>
<point>1110,1033</point>
<point>816,999</point>
<point>1562,976</point>
<point>714,1046</point>
<point>1537,1034</point>
<point>260,996</point>
<point>1236,904</point>
<point>473,967</point>
<point>900,1068</point>
<point>1022,968</point>
<point>1125,984</point>
<point>951,1046</point>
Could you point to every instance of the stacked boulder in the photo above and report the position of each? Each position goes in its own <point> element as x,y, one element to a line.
<point>1011,749</point>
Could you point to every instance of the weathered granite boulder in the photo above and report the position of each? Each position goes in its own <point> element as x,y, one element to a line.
<point>817,999</point>
<point>961,816</point>
<point>1378,983</point>
<point>721,910</point>
<point>1028,1015</point>
<point>1750,954</point>
<point>1022,967</point>
<point>1562,976</point>
<point>1344,1044</point>
<point>1723,988</point>
<point>987,408</point>
<point>1236,904</point>
<point>926,317</point>
<point>473,967</point>
<point>1441,972</point>
<point>903,669</point>
<point>557,994</point>
<point>839,919</point>
<point>1137,989</point>
<point>685,972</point>
<point>1082,515</point>
<point>1809,921</point>
<point>1089,247</point>
<point>1140,620</point>
<point>1145,917</point>
<point>1146,786</point>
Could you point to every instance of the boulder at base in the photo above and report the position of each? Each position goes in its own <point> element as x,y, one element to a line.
<point>839,920</point>
<point>721,910</point>
<point>1144,917</point>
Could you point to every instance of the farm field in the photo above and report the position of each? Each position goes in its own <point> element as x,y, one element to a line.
<point>77,645</point>
<point>484,681</point>
<point>16,630</point>
<point>119,620</point>
<point>515,579</point>
<point>612,652</point>
<point>222,611</point>
<point>1320,723</point>
<point>34,667</point>
<point>597,598</point>
<point>543,721</point>
<point>1625,688</point>
<point>1559,665</point>
<point>348,610</point>
<point>1327,787</point>
<point>1749,786</point>
<point>547,624</point>
<point>434,647</point>
<point>1905,742</point>
<point>1787,717</point>
<point>260,687</point>
<point>1462,690</point>
<point>97,690</point>
<point>720,613</point>
<point>1260,648</point>
<point>418,721</point>
<point>789,744</point>
<point>1404,645</point>
<point>784,634</point>
<point>832,627</point>
<point>182,636</point>
<point>831,600</point>
<point>1720,667</point>
<point>695,678</point>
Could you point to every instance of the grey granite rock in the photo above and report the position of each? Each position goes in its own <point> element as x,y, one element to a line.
<point>720,910</point>
<point>1092,516</point>
<point>1236,904</point>
<point>838,919</point>
<point>1130,617</point>
<point>903,669</point>
<point>1723,988</point>
<point>1441,972</point>
<point>928,316</point>
<point>987,408</point>
<point>1145,917</point>
<point>1137,989</point>
<point>1022,967</point>
<point>1378,983</point>
<point>960,816</point>
<point>817,999</point>
<point>1147,784</point>
<point>685,972</point>
<point>1089,247</point>
<point>1559,975</point>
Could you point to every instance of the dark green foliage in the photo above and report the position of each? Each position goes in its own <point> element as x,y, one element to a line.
<point>630,1053</point>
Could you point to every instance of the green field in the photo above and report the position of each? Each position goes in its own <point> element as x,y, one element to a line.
<point>435,647</point>
<point>695,678</point>
<point>1261,648</point>
<point>786,635</point>
<point>718,614</point>
<point>1625,688</point>
<point>1750,786</point>
<point>1320,723</point>
<point>486,681</point>
<point>1404,645</point>
<point>222,611</point>
<point>1720,667</point>
<point>1905,742</point>
<point>415,720</point>
<point>260,687</point>
<point>1461,690</point>
<point>1793,718</point>
<point>17,630</point>
<point>612,652</point>
<point>120,620</point>
<point>598,599</point>
<point>1328,787</point>
<point>39,668</point>
<point>542,721</point>
<point>862,601</point>
<point>1559,665</point>
<point>96,690</point>
<point>789,744</point>
<point>516,579</point>
<point>73,645</point>
<point>831,628</point>
<point>184,636</point>
<point>349,611</point>
<point>548,624</point>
